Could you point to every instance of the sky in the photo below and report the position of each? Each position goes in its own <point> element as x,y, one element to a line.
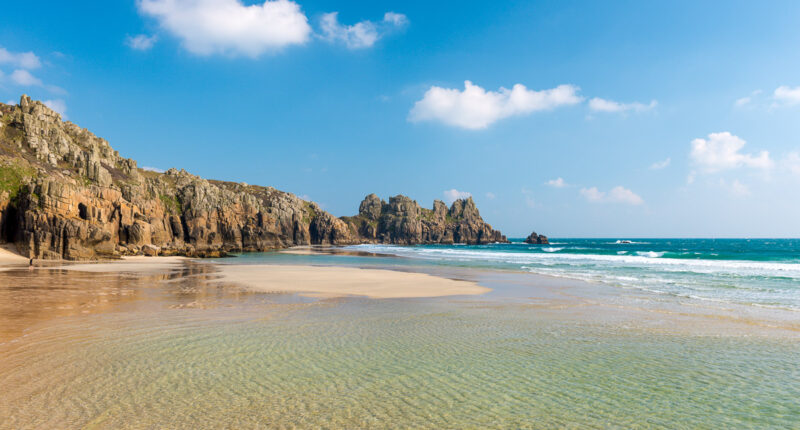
<point>569,118</point>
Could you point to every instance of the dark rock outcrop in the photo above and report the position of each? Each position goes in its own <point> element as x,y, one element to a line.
<point>65,193</point>
<point>402,221</point>
<point>537,239</point>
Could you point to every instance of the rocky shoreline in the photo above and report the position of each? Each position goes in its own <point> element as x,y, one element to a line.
<point>67,194</point>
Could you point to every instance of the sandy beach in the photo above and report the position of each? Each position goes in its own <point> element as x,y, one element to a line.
<point>341,281</point>
<point>8,257</point>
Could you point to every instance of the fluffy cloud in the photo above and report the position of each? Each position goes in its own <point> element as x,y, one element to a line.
<point>661,164</point>
<point>452,195</point>
<point>57,105</point>
<point>787,95</point>
<point>475,108</point>
<point>141,42</point>
<point>721,151</point>
<point>25,78</point>
<point>228,27</point>
<point>23,60</point>
<point>397,19</point>
<point>153,169</point>
<point>363,34</point>
<point>617,194</point>
<point>601,105</point>
<point>556,183</point>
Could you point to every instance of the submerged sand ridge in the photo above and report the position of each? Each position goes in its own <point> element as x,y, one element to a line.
<point>345,281</point>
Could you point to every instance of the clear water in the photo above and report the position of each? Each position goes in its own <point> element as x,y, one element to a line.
<point>361,363</point>
<point>760,272</point>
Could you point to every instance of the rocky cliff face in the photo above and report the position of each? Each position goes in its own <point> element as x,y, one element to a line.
<point>65,193</point>
<point>402,221</point>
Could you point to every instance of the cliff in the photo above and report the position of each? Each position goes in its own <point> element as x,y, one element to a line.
<point>65,193</point>
<point>402,221</point>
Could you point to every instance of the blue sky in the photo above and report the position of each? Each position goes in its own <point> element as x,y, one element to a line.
<point>580,119</point>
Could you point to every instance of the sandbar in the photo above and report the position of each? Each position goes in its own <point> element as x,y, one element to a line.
<point>137,264</point>
<point>345,281</point>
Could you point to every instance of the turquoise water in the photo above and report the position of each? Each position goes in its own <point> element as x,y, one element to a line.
<point>757,272</point>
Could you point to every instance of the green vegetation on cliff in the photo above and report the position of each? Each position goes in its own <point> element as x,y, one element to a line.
<point>13,176</point>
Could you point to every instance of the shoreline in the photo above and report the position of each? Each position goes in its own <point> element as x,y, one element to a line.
<point>558,298</point>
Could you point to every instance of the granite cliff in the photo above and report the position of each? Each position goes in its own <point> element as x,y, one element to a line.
<point>65,193</point>
<point>402,221</point>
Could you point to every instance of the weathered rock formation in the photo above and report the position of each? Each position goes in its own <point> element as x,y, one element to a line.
<point>402,221</point>
<point>65,193</point>
<point>537,239</point>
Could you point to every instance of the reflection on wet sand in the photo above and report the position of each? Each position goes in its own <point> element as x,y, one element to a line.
<point>31,297</point>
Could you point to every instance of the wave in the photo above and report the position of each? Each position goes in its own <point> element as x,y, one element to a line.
<point>551,249</point>
<point>650,254</point>
<point>739,267</point>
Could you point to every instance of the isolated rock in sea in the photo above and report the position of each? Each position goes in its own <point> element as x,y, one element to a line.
<point>65,193</point>
<point>537,239</point>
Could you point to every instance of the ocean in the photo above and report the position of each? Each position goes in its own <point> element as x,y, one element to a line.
<point>755,272</point>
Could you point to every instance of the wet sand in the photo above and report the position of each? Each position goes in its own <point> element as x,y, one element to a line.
<point>128,264</point>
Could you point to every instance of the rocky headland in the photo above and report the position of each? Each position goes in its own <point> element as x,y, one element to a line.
<point>66,194</point>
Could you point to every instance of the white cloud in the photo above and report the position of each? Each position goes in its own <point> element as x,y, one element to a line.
<point>475,108</point>
<point>490,196</point>
<point>396,19</point>
<point>721,151</point>
<point>229,27</point>
<point>57,105</point>
<point>25,78</point>
<point>601,105</point>
<point>556,183</point>
<point>153,169</point>
<point>363,34</point>
<point>141,42</point>
<point>661,164</point>
<point>23,60</point>
<point>745,101</point>
<point>452,195</point>
<point>787,95</point>
<point>593,194</point>
<point>617,194</point>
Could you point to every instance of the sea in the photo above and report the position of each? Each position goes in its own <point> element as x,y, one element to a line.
<point>757,272</point>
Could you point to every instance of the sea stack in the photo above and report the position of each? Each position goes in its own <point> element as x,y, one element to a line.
<point>536,239</point>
